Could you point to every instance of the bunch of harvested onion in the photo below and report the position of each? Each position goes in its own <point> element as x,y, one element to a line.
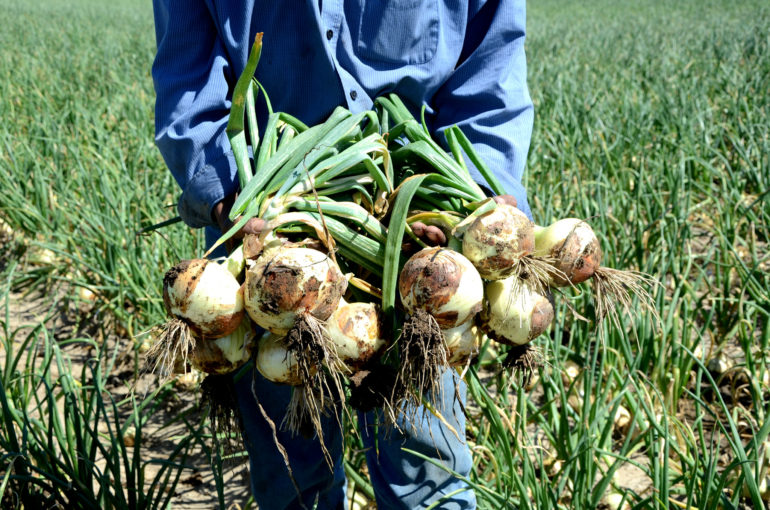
<point>328,276</point>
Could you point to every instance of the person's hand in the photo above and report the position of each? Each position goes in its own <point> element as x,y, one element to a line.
<point>429,234</point>
<point>506,199</point>
<point>221,212</point>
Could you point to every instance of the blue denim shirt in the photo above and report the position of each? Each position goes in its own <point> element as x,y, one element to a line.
<point>464,60</point>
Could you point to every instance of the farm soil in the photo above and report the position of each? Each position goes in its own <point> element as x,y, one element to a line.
<point>196,488</point>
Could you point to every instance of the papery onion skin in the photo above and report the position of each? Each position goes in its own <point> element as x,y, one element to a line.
<point>290,281</point>
<point>463,343</point>
<point>205,296</point>
<point>275,362</point>
<point>515,318</point>
<point>443,283</point>
<point>225,354</point>
<point>356,330</point>
<point>495,241</point>
<point>574,248</point>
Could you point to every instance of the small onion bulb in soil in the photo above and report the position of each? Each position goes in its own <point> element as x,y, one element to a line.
<point>496,241</point>
<point>439,288</point>
<point>515,313</point>
<point>356,330</point>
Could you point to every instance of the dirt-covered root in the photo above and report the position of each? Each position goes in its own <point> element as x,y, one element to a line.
<point>307,409</point>
<point>371,388</point>
<point>523,361</point>
<point>537,273</point>
<point>172,349</point>
<point>614,292</point>
<point>218,397</point>
<point>320,369</point>
<point>423,359</point>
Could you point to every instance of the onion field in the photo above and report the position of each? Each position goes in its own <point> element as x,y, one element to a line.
<point>652,121</point>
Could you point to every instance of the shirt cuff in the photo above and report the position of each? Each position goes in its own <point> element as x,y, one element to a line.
<point>208,187</point>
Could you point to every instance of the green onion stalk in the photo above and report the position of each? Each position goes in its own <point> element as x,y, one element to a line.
<point>328,182</point>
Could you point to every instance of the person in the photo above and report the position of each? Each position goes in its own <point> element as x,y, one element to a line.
<point>463,61</point>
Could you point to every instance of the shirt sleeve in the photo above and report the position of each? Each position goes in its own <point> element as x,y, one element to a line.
<point>192,80</point>
<point>487,94</point>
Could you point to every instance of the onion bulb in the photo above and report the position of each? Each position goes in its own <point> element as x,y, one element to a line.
<point>439,288</point>
<point>291,291</point>
<point>355,330</point>
<point>275,362</point>
<point>515,313</point>
<point>497,240</point>
<point>574,248</point>
<point>463,343</point>
<point>443,283</point>
<point>226,354</point>
<point>205,296</point>
<point>288,282</point>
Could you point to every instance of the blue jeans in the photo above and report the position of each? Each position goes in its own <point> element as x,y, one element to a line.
<point>400,479</point>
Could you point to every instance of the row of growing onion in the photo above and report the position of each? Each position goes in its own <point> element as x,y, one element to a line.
<point>329,278</point>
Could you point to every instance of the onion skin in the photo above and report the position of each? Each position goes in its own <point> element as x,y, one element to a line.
<point>276,363</point>
<point>495,241</point>
<point>443,283</point>
<point>573,246</point>
<point>515,313</point>
<point>205,296</point>
<point>356,330</point>
<point>463,343</point>
<point>291,281</point>
<point>226,354</point>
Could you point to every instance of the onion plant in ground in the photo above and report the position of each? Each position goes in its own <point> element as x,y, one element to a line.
<point>651,122</point>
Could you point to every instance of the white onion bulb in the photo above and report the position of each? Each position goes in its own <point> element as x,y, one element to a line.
<point>226,354</point>
<point>443,283</point>
<point>515,313</point>
<point>356,330</point>
<point>275,362</point>
<point>495,241</point>
<point>462,342</point>
<point>573,246</point>
<point>290,281</point>
<point>205,296</point>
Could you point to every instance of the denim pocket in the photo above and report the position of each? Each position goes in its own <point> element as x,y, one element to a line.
<point>398,31</point>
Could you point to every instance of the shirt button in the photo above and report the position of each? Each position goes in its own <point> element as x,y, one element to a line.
<point>329,34</point>
<point>353,95</point>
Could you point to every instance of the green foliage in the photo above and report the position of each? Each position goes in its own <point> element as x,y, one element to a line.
<point>651,121</point>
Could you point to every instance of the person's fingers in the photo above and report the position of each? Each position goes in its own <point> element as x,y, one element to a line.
<point>506,199</point>
<point>429,234</point>
<point>418,228</point>
<point>220,213</point>
<point>253,226</point>
<point>435,236</point>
